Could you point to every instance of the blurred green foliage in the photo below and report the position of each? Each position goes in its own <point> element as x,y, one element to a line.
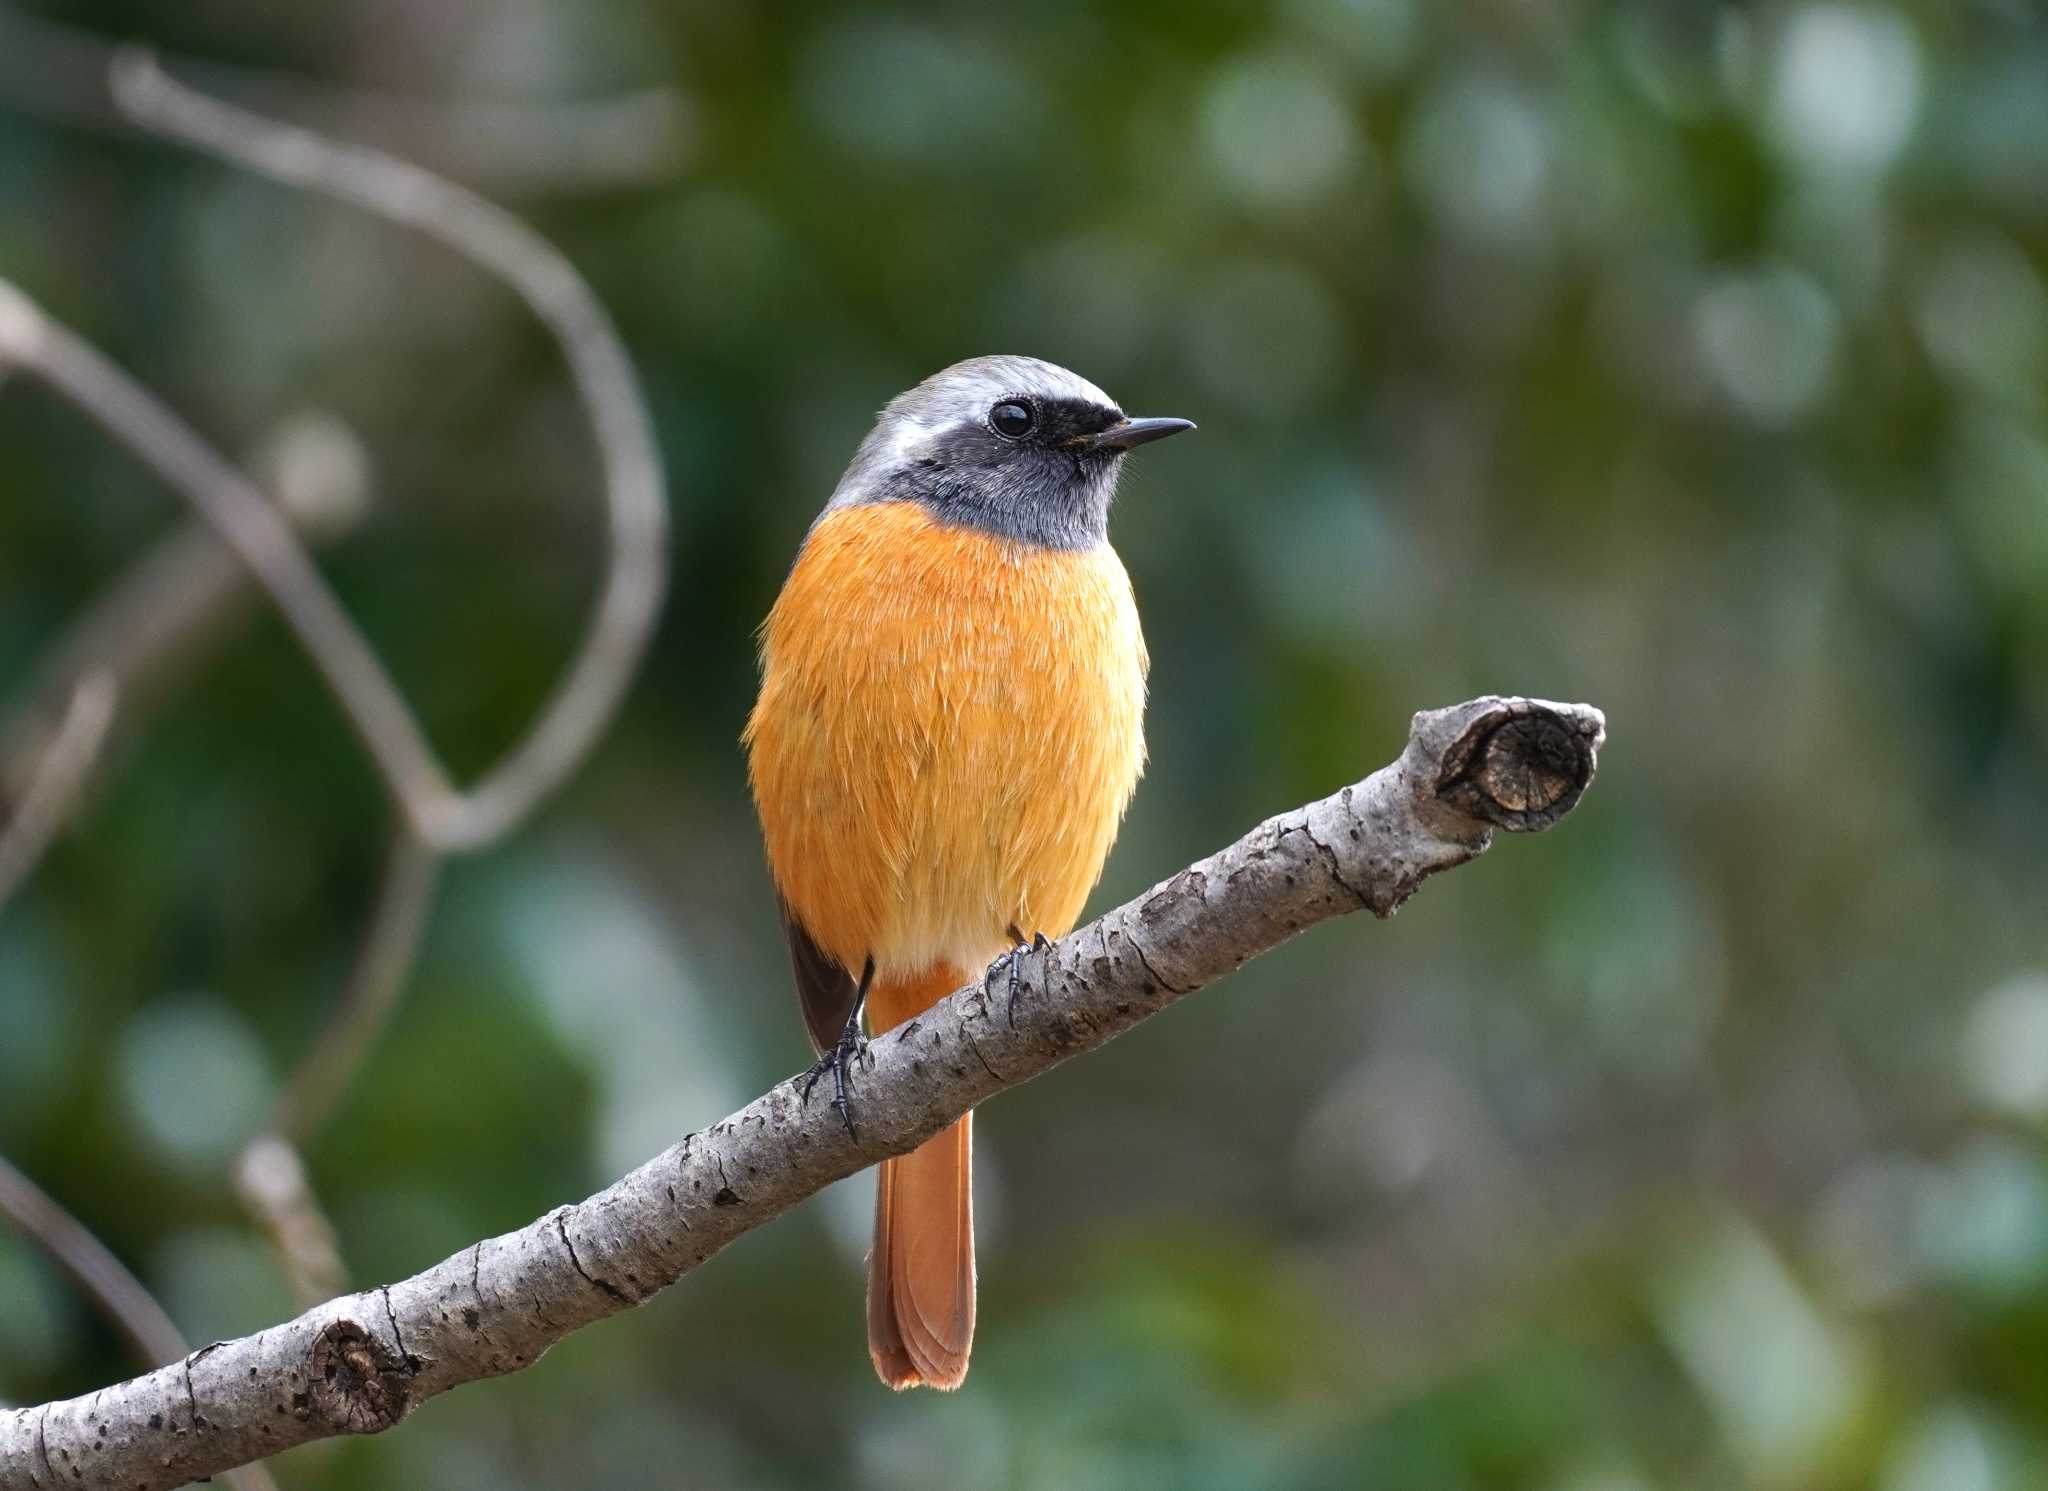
<point>1689,359</point>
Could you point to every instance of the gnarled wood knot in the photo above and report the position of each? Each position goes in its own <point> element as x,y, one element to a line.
<point>358,1385</point>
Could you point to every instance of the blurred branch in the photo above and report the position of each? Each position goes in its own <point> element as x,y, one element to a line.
<point>273,1187</point>
<point>410,871</point>
<point>118,1295</point>
<point>56,780</point>
<point>128,1307</point>
<point>257,532</point>
<point>640,137</point>
<point>636,509</point>
<point>270,1175</point>
<point>181,595</point>
<point>609,653</point>
<point>169,595</point>
<point>360,1363</point>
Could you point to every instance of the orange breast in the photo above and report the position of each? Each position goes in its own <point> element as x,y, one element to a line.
<point>949,728</point>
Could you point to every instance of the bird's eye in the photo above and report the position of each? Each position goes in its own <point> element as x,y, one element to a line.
<point>1012,420</point>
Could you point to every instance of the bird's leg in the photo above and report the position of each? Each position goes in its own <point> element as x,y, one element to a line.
<point>850,1046</point>
<point>1009,961</point>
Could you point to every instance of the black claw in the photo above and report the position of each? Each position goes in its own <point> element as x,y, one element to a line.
<point>1009,962</point>
<point>851,1046</point>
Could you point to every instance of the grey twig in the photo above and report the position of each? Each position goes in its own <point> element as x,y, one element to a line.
<point>273,1187</point>
<point>33,819</point>
<point>171,596</point>
<point>117,1294</point>
<point>270,1175</point>
<point>583,704</point>
<point>636,508</point>
<point>127,1306</point>
<point>182,596</point>
<point>386,954</point>
<point>136,419</point>
<point>174,592</point>
<point>523,148</point>
<point>360,1363</point>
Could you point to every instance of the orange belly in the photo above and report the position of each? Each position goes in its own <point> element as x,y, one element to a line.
<point>949,728</point>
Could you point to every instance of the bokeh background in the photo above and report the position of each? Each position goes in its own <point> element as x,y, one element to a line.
<point>1688,359</point>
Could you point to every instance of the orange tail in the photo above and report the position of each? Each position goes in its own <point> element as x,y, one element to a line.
<point>921,1273</point>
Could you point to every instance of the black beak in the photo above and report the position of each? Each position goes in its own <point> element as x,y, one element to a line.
<point>1135,432</point>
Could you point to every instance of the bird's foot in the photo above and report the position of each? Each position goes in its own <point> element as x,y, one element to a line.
<point>837,1059</point>
<point>1009,966</point>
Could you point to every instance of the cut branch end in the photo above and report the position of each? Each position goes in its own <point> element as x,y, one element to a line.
<point>1515,764</point>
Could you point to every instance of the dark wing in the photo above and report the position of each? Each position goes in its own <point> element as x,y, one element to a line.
<point>825,990</point>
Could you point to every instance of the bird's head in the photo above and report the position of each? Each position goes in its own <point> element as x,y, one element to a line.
<point>1011,445</point>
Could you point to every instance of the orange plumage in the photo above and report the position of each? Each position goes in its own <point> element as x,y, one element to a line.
<point>949,728</point>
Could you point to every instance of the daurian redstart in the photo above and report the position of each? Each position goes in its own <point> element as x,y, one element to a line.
<point>951,722</point>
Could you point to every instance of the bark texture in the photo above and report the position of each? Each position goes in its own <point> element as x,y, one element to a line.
<point>358,1364</point>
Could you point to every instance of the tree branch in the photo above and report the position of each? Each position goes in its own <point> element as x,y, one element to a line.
<point>621,624</point>
<point>642,136</point>
<point>157,618</point>
<point>270,1172</point>
<point>385,957</point>
<point>115,1292</point>
<point>636,507</point>
<point>189,580</point>
<point>359,1363</point>
<point>104,1279</point>
<point>56,781</point>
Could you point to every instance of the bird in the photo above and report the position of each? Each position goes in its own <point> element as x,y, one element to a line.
<point>949,728</point>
